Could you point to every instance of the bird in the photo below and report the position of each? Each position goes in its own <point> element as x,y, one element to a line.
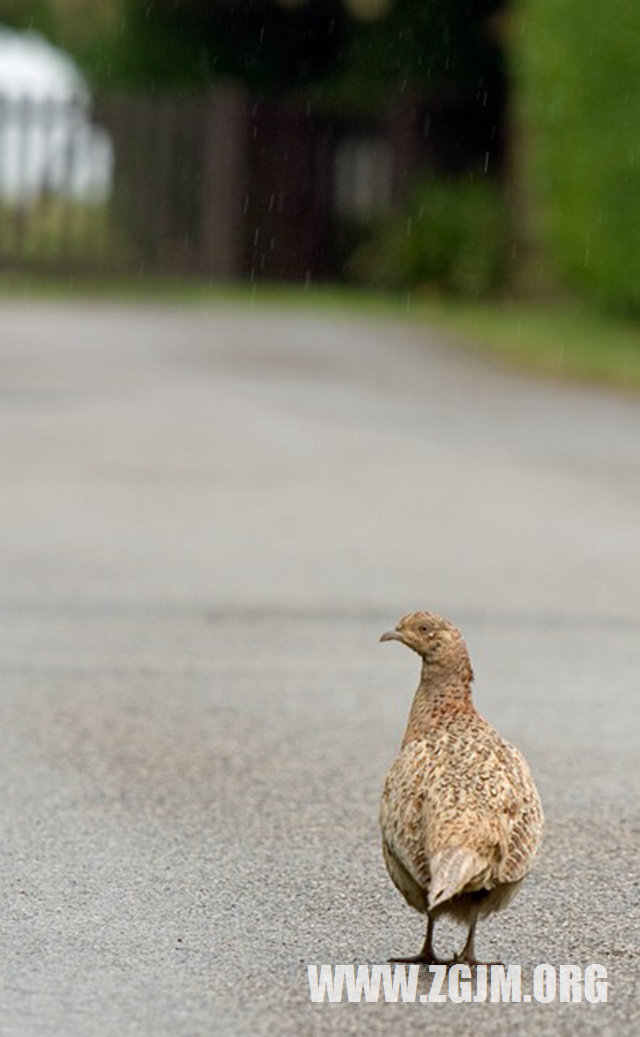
<point>460,815</point>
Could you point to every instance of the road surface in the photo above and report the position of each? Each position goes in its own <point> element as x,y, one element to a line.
<point>208,517</point>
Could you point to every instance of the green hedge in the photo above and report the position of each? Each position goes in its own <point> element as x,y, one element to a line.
<point>450,239</point>
<point>577,70</point>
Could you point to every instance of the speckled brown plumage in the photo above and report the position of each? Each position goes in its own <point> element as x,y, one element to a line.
<point>460,815</point>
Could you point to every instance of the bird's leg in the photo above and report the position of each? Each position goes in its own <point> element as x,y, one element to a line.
<point>468,953</point>
<point>426,955</point>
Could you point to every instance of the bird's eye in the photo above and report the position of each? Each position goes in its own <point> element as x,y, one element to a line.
<point>423,630</point>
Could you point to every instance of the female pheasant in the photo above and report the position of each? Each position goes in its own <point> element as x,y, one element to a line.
<point>460,815</point>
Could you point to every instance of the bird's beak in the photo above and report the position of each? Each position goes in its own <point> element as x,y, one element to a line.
<point>392,635</point>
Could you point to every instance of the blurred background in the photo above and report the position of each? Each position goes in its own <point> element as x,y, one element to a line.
<point>467,147</point>
<point>211,512</point>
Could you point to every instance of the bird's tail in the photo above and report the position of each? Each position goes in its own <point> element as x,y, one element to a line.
<point>453,869</point>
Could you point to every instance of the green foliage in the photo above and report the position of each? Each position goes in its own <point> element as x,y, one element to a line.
<point>88,31</point>
<point>276,45</point>
<point>37,14</point>
<point>452,239</point>
<point>423,45</point>
<point>577,68</point>
<point>263,43</point>
<point>150,49</point>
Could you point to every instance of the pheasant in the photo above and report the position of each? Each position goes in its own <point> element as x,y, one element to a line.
<point>460,816</point>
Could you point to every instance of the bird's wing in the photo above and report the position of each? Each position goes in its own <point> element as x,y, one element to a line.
<point>481,816</point>
<point>524,819</point>
<point>460,810</point>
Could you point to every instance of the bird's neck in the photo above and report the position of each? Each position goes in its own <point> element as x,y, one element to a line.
<point>442,692</point>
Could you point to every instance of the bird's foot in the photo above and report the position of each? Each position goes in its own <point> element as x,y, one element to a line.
<point>418,959</point>
<point>465,959</point>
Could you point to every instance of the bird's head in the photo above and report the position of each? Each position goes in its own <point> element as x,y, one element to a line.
<point>436,640</point>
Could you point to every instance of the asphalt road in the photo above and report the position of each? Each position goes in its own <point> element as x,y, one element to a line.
<point>208,516</point>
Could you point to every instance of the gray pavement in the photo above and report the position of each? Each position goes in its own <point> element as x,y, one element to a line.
<point>208,516</point>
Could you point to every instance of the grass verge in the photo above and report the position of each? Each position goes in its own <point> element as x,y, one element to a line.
<point>568,340</point>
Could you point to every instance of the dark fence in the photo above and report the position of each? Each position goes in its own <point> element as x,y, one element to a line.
<point>217,185</point>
